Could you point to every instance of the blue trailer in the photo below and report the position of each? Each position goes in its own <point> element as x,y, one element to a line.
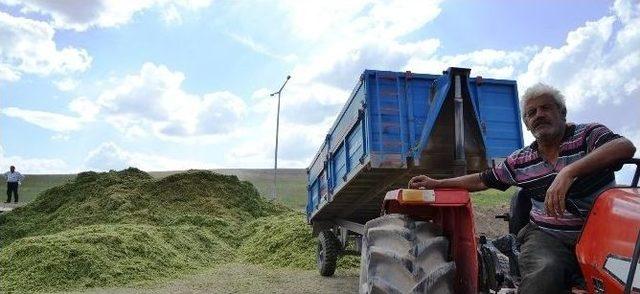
<point>399,124</point>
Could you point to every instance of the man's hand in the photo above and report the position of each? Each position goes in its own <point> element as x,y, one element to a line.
<point>554,201</point>
<point>422,182</point>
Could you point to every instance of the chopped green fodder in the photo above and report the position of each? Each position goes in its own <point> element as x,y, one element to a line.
<point>114,228</point>
<point>200,198</point>
<point>283,241</point>
<point>107,255</point>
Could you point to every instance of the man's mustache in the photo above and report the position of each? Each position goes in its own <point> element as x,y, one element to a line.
<point>540,122</point>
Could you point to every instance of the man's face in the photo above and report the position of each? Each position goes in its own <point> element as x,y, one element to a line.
<point>543,117</point>
<point>13,169</point>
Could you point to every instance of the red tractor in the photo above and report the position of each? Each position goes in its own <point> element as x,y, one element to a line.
<point>425,243</point>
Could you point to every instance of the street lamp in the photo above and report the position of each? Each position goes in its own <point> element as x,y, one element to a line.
<point>275,167</point>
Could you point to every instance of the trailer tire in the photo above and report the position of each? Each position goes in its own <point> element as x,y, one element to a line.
<point>401,255</point>
<point>327,253</point>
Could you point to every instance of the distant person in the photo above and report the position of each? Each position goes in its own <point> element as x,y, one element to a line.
<point>14,179</point>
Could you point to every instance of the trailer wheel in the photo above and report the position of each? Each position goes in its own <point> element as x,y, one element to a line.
<point>327,253</point>
<point>401,255</point>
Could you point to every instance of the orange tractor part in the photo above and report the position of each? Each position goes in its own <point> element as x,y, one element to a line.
<point>606,247</point>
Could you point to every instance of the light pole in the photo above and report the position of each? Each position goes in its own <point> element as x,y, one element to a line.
<point>275,167</point>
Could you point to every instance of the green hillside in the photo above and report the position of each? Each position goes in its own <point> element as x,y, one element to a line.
<point>35,184</point>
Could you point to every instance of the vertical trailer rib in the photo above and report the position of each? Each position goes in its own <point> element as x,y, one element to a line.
<point>460,161</point>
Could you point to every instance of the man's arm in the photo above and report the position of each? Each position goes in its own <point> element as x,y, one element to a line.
<point>606,156</point>
<point>472,182</point>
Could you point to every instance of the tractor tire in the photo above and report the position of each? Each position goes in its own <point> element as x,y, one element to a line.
<point>327,253</point>
<point>401,255</point>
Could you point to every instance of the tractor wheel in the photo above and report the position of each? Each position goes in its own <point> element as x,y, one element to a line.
<point>401,255</point>
<point>327,253</point>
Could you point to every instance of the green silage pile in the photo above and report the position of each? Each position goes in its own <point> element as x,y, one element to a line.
<point>115,228</point>
<point>103,255</point>
<point>283,241</point>
<point>131,196</point>
<point>280,240</point>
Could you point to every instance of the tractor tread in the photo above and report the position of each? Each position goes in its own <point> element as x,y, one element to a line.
<point>400,255</point>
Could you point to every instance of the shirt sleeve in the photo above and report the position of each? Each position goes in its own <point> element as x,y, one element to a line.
<point>597,135</point>
<point>501,175</point>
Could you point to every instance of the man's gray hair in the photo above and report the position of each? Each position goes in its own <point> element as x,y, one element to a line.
<point>541,89</point>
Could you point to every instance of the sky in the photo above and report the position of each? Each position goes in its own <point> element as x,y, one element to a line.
<point>180,84</point>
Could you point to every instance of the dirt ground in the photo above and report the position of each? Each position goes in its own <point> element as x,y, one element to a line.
<point>246,278</point>
<point>486,222</point>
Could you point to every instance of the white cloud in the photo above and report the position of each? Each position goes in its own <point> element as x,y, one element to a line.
<point>154,100</point>
<point>109,156</point>
<point>85,108</point>
<point>66,84</point>
<point>28,47</point>
<point>598,64</point>
<point>47,120</point>
<point>574,66</point>
<point>34,165</point>
<point>342,64</point>
<point>373,30</point>
<point>62,124</point>
<point>259,48</point>
<point>626,10</point>
<point>296,144</point>
<point>301,103</point>
<point>487,62</point>
<point>7,74</point>
<point>85,14</point>
<point>334,20</point>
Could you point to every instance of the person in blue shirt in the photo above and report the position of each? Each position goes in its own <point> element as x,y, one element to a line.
<point>14,179</point>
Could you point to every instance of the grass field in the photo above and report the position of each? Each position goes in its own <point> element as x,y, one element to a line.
<point>34,184</point>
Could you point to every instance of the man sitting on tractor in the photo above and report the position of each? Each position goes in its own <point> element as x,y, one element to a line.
<point>566,162</point>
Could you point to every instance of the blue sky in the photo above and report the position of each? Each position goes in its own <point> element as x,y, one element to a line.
<point>177,84</point>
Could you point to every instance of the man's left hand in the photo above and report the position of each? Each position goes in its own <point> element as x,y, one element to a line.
<point>554,201</point>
